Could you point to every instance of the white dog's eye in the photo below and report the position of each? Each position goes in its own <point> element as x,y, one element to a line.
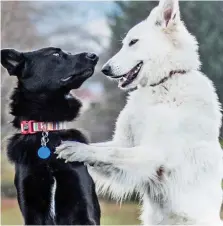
<point>133,41</point>
<point>56,54</point>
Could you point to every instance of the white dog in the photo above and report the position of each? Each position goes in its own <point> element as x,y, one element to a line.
<point>165,145</point>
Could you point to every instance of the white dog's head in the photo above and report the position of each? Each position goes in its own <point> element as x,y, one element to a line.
<point>153,48</point>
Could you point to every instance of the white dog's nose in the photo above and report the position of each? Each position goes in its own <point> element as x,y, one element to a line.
<point>106,69</point>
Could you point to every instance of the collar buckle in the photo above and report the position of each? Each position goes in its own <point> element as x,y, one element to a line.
<point>27,127</point>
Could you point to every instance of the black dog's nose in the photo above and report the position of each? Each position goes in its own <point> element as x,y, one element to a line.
<point>106,69</point>
<point>91,56</point>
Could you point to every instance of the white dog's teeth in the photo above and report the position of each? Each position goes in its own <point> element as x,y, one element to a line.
<point>124,78</point>
<point>121,80</point>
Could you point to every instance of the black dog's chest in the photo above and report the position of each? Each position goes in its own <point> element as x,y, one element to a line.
<point>23,149</point>
<point>68,185</point>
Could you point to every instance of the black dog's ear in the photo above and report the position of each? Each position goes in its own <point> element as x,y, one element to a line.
<point>11,60</point>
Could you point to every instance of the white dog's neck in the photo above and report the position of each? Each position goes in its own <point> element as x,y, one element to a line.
<point>172,91</point>
<point>166,80</point>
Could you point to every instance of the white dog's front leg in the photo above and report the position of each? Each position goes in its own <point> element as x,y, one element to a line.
<point>115,170</point>
<point>75,151</point>
<point>105,144</point>
<point>137,158</point>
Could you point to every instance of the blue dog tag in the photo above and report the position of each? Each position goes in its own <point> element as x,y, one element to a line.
<point>44,152</point>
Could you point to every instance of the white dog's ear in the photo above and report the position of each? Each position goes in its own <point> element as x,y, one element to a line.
<point>169,11</point>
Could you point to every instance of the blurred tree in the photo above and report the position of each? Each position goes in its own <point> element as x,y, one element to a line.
<point>17,31</point>
<point>203,19</point>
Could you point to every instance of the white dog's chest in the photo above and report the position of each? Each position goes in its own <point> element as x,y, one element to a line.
<point>152,122</point>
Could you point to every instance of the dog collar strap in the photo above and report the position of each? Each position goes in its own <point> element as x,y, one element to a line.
<point>169,76</point>
<point>30,127</point>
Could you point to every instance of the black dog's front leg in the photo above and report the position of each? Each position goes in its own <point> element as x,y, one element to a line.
<point>75,199</point>
<point>34,192</point>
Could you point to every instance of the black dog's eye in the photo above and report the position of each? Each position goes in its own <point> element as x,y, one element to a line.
<point>133,41</point>
<point>56,54</point>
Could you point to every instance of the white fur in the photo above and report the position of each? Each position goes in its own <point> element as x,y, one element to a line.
<point>52,205</point>
<point>174,125</point>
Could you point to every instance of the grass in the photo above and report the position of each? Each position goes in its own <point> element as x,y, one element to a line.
<point>112,213</point>
<point>11,217</point>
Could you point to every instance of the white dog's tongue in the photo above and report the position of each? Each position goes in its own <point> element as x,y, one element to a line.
<point>129,74</point>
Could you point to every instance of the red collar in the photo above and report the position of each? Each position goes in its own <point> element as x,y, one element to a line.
<point>31,127</point>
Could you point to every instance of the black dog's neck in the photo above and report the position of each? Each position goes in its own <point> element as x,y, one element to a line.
<point>43,106</point>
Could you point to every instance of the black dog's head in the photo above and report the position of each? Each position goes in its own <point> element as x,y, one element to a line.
<point>49,68</point>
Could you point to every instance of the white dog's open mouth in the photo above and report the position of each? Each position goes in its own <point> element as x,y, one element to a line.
<point>129,77</point>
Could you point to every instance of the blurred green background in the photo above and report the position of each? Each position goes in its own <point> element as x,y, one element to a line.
<point>98,27</point>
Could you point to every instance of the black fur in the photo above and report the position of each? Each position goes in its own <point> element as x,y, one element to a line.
<point>42,94</point>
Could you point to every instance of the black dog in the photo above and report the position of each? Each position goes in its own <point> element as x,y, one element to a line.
<point>49,190</point>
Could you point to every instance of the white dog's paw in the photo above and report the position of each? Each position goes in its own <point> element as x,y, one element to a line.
<point>70,151</point>
<point>67,156</point>
<point>64,145</point>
